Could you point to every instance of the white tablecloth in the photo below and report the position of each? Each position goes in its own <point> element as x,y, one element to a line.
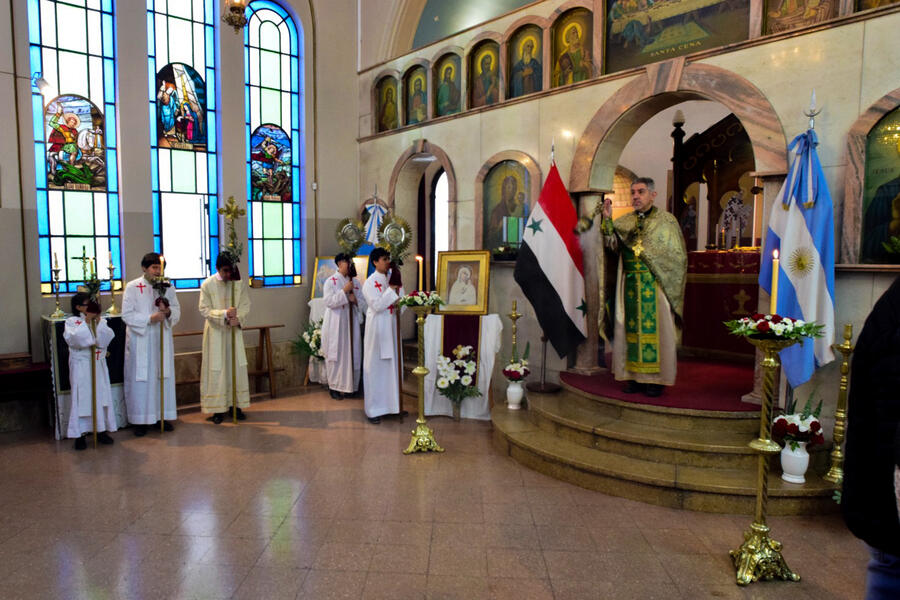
<point>316,368</point>
<point>471,408</point>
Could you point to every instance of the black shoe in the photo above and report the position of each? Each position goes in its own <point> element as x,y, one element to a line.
<point>168,426</point>
<point>80,443</point>
<point>104,438</point>
<point>653,390</point>
<point>334,394</point>
<point>140,430</point>
<point>217,418</point>
<point>633,387</point>
<point>374,420</point>
<point>240,415</point>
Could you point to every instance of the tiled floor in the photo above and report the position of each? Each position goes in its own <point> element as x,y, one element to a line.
<point>307,500</point>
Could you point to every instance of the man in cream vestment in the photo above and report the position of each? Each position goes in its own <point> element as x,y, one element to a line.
<point>380,357</point>
<point>222,316</point>
<point>142,314</point>
<point>345,308</point>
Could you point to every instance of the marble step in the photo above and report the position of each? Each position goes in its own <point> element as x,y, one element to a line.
<point>660,416</point>
<point>689,487</point>
<point>574,419</point>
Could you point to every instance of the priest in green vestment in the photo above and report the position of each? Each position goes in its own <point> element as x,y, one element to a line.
<point>649,294</point>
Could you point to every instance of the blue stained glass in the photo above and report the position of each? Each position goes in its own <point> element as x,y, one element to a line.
<point>42,210</point>
<point>37,109</point>
<point>272,280</point>
<point>151,41</point>
<point>211,88</point>
<point>116,253</point>
<point>296,245</point>
<point>210,50</point>
<point>295,73</point>
<point>109,80</point>
<point>107,6</point>
<point>108,36</point>
<point>154,169</point>
<point>40,172</point>
<point>151,77</point>
<point>156,246</point>
<point>34,22</point>
<point>295,215</point>
<point>209,8</point>
<point>36,60</point>
<point>155,210</point>
<point>249,250</point>
<point>46,261</point>
<point>211,124</point>
<point>295,114</point>
<point>112,170</point>
<point>212,174</point>
<point>112,202</point>
<point>110,133</point>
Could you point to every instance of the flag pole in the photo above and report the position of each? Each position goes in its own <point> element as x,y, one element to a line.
<point>94,382</point>
<point>543,386</point>
<point>233,360</point>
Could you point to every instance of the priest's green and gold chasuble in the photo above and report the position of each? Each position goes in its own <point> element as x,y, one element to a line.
<point>652,252</point>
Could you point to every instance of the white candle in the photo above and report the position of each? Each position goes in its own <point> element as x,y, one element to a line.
<point>162,265</point>
<point>55,262</point>
<point>773,299</point>
<point>420,260</point>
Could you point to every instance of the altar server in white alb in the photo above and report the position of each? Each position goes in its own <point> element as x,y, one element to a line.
<point>345,308</point>
<point>84,346</point>
<point>380,357</point>
<point>143,309</point>
<point>222,316</point>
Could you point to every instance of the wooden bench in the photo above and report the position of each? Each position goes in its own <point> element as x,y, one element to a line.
<point>263,350</point>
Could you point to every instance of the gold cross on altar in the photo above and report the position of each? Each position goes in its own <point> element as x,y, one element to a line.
<point>638,248</point>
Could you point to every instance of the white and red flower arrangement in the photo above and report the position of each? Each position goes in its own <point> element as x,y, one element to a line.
<point>794,428</point>
<point>516,371</point>
<point>759,325</point>
<point>456,376</point>
<point>419,298</point>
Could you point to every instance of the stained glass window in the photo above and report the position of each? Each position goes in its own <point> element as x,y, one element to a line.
<point>72,46</point>
<point>273,72</point>
<point>183,114</point>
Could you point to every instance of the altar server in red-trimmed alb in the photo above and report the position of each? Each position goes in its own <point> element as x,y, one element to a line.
<point>85,346</point>
<point>380,357</point>
<point>143,309</point>
<point>345,308</point>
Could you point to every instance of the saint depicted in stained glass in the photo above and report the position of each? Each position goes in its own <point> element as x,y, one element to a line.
<point>180,108</point>
<point>75,148</point>
<point>270,164</point>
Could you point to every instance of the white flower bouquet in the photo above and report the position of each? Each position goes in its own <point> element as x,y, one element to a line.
<point>773,327</point>
<point>309,341</point>
<point>421,299</point>
<point>456,376</point>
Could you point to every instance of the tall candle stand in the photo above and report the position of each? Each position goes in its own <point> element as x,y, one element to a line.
<point>112,290</point>
<point>759,557</point>
<point>422,436</point>
<point>58,313</point>
<point>836,473</point>
<point>514,316</point>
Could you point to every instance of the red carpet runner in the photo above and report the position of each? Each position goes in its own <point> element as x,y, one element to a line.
<point>701,385</point>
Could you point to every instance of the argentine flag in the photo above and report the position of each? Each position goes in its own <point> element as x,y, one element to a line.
<point>801,228</point>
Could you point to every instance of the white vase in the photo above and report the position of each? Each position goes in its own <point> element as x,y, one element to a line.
<point>514,394</point>
<point>794,462</point>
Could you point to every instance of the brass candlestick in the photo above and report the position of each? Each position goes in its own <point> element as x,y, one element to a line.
<point>514,316</point>
<point>836,473</point>
<point>58,313</point>
<point>112,290</point>
<point>759,557</point>
<point>422,436</point>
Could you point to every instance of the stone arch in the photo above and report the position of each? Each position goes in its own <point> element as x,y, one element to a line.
<point>666,84</point>
<point>854,178</point>
<point>423,147</point>
<point>534,173</point>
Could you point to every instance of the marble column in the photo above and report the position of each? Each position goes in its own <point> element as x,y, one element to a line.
<point>587,352</point>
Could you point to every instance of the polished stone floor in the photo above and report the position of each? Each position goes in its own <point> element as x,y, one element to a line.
<point>306,499</point>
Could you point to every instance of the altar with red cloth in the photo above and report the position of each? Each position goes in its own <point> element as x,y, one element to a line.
<point>721,286</point>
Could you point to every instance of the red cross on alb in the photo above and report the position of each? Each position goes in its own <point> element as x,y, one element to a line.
<point>378,285</point>
<point>97,352</point>
<point>141,287</point>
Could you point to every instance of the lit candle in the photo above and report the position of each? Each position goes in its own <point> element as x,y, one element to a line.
<point>92,268</point>
<point>420,260</point>
<point>773,299</point>
<point>723,238</point>
<point>162,265</point>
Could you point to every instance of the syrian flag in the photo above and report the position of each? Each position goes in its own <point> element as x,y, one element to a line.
<point>550,267</point>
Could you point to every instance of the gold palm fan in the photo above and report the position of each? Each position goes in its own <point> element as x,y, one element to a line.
<point>350,235</point>
<point>395,235</point>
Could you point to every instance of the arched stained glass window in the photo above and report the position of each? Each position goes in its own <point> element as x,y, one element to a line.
<point>72,46</point>
<point>273,75</point>
<point>183,115</point>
